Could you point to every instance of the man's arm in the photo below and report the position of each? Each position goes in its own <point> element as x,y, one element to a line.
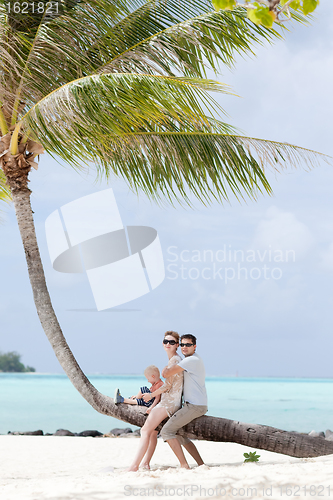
<point>168,372</point>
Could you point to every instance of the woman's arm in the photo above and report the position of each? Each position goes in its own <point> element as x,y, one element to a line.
<point>149,395</point>
<point>157,400</point>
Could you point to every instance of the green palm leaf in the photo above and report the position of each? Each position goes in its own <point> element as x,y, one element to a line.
<point>102,36</point>
<point>62,74</point>
<point>210,166</point>
<point>75,119</point>
<point>153,132</point>
<point>167,42</point>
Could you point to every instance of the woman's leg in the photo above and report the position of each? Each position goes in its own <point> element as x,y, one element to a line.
<point>156,416</point>
<point>151,449</point>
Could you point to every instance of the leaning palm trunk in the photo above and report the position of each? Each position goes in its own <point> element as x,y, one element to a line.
<point>43,303</point>
<point>207,428</point>
<point>258,436</point>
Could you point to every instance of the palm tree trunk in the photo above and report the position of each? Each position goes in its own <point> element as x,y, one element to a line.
<point>257,436</point>
<point>208,428</point>
<point>101,403</point>
<point>45,309</point>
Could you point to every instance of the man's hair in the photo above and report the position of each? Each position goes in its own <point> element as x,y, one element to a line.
<point>189,336</point>
<point>152,370</point>
<point>173,334</point>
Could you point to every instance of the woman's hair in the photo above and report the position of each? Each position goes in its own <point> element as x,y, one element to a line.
<point>152,370</point>
<point>173,334</point>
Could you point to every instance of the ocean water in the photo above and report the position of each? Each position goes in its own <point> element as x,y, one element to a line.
<point>31,401</point>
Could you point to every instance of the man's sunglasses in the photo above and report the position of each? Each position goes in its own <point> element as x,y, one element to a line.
<point>171,342</point>
<point>185,345</point>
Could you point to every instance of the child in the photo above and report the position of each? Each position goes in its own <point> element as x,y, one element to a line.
<point>152,374</point>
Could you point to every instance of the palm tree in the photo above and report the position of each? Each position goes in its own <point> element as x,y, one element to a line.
<point>121,85</point>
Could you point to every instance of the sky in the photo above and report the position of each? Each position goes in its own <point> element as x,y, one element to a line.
<point>252,280</point>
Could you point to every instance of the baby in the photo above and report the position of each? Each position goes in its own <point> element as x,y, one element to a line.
<point>152,374</point>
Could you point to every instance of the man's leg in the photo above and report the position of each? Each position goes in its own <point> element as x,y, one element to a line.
<point>191,448</point>
<point>193,451</point>
<point>177,449</point>
<point>182,417</point>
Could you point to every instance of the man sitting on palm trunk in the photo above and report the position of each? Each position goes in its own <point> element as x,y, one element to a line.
<point>194,396</point>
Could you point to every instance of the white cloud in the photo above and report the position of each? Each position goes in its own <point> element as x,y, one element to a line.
<point>283,231</point>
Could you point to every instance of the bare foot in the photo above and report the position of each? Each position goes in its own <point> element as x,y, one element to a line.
<point>145,467</point>
<point>185,466</point>
<point>133,468</point>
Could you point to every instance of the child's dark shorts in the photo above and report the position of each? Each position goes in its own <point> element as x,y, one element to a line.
<point>141,402</point>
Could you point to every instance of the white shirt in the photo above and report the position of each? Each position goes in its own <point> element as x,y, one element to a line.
<point>194,380</point>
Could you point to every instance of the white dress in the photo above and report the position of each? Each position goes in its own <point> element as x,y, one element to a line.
<point>171,399</point>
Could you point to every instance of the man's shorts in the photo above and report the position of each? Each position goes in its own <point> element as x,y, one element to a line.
<point>141,402</point>
<point>182,417</point>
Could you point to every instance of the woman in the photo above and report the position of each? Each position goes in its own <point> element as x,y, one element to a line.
<point>170,402</point>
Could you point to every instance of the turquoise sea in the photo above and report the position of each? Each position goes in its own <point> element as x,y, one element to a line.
<point>32,401</point>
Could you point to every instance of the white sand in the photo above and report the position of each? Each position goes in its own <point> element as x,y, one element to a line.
<point>63,468</point>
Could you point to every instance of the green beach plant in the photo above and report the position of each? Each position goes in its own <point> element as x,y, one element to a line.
<point>122,87</point>
<point>251,456</point>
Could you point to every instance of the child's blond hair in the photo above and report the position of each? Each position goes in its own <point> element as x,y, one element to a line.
<point>152,370</point>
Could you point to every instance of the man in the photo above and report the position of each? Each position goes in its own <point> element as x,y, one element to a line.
<point>194,396</point>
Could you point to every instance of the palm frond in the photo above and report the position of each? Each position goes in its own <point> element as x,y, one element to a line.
<point>27,54</point>
<point>62,73</point>
<point>164,42</point>
<point>152,132</point>
<point>210,166</point>
<point>79,115</point>
<point>102,36</point>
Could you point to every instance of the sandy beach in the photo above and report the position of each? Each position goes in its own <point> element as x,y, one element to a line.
<point>71,468</point>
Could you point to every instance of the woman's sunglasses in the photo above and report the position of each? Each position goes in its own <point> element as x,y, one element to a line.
<point>171,342</point>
